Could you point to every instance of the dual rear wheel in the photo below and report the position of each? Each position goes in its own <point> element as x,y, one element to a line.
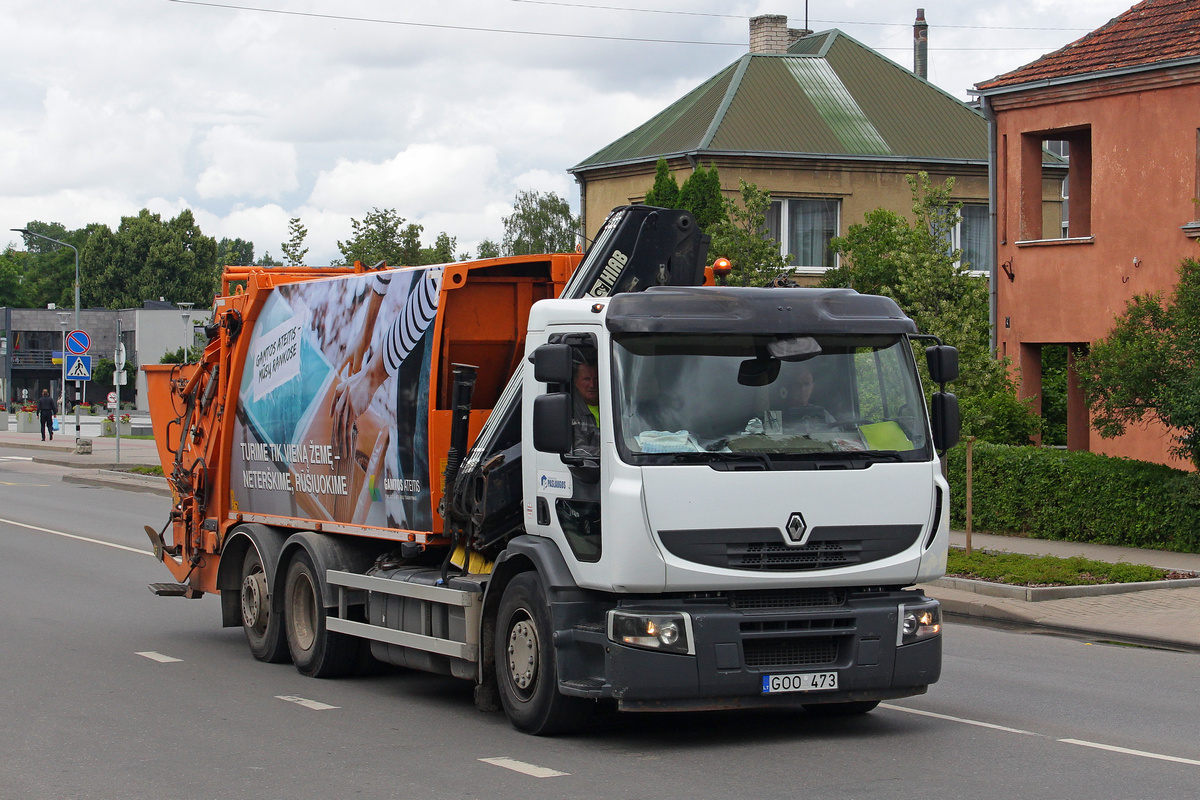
<point>299,632</point>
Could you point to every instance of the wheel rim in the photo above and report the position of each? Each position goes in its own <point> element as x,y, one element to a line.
<point>254,606</point>
<point>304,612</point>
<point>523,655</point>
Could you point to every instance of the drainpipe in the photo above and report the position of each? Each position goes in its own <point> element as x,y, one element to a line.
<point>582,210</point>
<point>993,220</point>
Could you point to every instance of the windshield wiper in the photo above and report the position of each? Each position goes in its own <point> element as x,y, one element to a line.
<point>729,460</point>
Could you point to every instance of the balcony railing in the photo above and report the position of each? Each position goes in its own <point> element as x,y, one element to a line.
<point>32,359</point>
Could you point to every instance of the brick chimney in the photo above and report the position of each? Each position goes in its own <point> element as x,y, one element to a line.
<point>921,45</point>
<point>769,33</point>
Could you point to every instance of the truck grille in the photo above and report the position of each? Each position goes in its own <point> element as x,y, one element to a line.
<point>772,653</point>
<point>767,550</point>
<point>786,599</point>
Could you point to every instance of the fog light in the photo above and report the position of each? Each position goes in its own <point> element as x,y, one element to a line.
<point>665,632</point>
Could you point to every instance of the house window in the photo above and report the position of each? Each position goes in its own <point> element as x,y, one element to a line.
<point>804,227</point>
<point>973,236</point>
<point>1075,147</point>
<point>1062,149</point>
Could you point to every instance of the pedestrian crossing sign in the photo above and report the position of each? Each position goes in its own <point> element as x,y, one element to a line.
<point>79,368</point>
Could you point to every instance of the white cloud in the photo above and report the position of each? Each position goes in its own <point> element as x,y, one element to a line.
<point>416,181</point>
<point>241,165</point>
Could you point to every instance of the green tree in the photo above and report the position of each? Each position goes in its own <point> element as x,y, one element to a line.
<point>13,291</point>
<point>540,223</point>
<point>147,257</point>
<point>194,354</point>
<point>665,191</point>
<point>294,249</point>
<point>267,261</point>
<point>382,236</point>
<point>914,264</point>
<point>1148,367</point>
<point>442,251</point>
<point>235,252</point>
<point>701,195</point>
<point>487,249</point>
<point>742,238</point>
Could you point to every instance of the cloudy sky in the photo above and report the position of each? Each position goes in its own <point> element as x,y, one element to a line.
<point>251,112</point>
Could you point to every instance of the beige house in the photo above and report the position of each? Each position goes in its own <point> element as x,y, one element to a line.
<point>825,124</point>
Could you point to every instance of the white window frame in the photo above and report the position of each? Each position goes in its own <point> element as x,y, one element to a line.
<point>956,242</point>
<point>785,210</point>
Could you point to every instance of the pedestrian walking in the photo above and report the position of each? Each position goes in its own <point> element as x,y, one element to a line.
<point>46,409</point>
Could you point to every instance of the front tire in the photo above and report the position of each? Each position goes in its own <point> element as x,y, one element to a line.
<point>526,664</point>
<point>263,626</point>
<point>316,652</point>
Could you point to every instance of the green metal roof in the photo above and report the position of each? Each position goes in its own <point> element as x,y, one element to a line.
<point>828,96</point>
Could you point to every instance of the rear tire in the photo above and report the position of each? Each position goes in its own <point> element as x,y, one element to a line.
<point>841,709</point>
<point>262,625</point>
<point>315,651</point>
<point>526,663</point>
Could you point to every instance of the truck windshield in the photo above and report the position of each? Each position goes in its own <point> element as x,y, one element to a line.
<point>774,400</point>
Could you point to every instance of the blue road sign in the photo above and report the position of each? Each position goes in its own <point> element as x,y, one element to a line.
<point>78,342</point>
<point>79,368</point>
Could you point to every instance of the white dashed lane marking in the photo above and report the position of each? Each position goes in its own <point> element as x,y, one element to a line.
<point>302,701</point>
<point>159,657</point>
<point>522,767</point>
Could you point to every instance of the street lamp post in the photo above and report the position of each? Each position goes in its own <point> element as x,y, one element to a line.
<point>28,232</point>
<point>186,310</point>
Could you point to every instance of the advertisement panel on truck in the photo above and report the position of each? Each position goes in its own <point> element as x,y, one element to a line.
<point>331,416</point>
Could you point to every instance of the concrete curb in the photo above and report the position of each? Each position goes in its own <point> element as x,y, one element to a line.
<point>124,481</point>
<point>1038,594</point>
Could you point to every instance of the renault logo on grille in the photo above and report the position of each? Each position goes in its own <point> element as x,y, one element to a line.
<point>797,529</point>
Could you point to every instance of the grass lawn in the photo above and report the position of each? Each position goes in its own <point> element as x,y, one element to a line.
<point>1023,570</point>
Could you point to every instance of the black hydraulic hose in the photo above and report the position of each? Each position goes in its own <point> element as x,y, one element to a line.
<point>465,376</point>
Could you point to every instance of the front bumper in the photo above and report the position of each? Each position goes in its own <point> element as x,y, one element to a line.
<point>734,647</point>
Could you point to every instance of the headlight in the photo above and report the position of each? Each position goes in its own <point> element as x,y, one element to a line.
<point>919,622</point>
<point>669,633</point>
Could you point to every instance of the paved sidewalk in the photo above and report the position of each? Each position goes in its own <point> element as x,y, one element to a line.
<point>1157,617</point>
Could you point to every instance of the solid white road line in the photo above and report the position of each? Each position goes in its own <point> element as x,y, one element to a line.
<point>1127,751</point>
<point>301,701</point>
<point>79,538</point>
<point>1081,742</point>
<point>159,657</point>
<point>958,719</point>
<point>522,767</point>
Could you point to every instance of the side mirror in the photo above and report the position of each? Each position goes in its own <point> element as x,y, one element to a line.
<point>552,431</point>
<point>758,371</point>
<point>552,363</point>
<point>943,362</point>
<point>946,422</point>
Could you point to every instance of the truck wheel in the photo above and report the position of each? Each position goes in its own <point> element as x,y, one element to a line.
<point>315,651</point>
<point>841,709</point>
<point>263,627</point>
<point>526,667</point>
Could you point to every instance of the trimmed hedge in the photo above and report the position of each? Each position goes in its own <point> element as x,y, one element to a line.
<point>1076,496</point>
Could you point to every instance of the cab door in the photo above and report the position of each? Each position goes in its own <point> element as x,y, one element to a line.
<point>563,496</point>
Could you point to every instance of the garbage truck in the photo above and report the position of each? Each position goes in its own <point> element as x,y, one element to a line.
<point>582,482</point>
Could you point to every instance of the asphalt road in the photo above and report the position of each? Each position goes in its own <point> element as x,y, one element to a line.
<point>111,692</point>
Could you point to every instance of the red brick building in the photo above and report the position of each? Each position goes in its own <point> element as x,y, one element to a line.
<point>1123,105</point>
